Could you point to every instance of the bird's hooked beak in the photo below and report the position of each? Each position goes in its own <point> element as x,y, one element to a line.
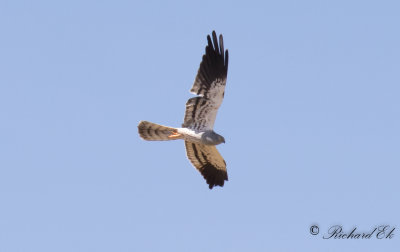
<point>223,140</point>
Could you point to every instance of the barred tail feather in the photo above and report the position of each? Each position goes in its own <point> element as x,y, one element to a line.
<point>154,132</point>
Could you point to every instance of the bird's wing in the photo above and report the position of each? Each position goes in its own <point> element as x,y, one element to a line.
<point>207,160</point>
<point>209,85</point>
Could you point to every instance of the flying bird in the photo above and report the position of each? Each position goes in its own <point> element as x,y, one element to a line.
<point>197,128</point>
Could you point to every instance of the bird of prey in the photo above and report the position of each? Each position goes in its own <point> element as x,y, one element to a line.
<point>197,128</point>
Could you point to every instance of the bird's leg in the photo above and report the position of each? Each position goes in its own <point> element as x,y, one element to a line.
<point>175,135</point>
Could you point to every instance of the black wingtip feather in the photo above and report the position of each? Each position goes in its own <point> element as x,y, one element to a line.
<point>215,40</point>
<point>226,60</point>
<point>221,44</point>
<point>214,176</point>
<point>209,42</point>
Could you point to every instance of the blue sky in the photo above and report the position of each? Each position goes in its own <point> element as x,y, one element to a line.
<point>310,117</point>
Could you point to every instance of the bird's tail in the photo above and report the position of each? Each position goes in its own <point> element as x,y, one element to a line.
<point>154,132</point>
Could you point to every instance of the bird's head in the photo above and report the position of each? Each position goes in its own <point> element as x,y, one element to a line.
<point>212,138</point>
<point>219,139</point>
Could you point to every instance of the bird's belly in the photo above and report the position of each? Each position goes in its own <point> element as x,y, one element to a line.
<point>191,135</point>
